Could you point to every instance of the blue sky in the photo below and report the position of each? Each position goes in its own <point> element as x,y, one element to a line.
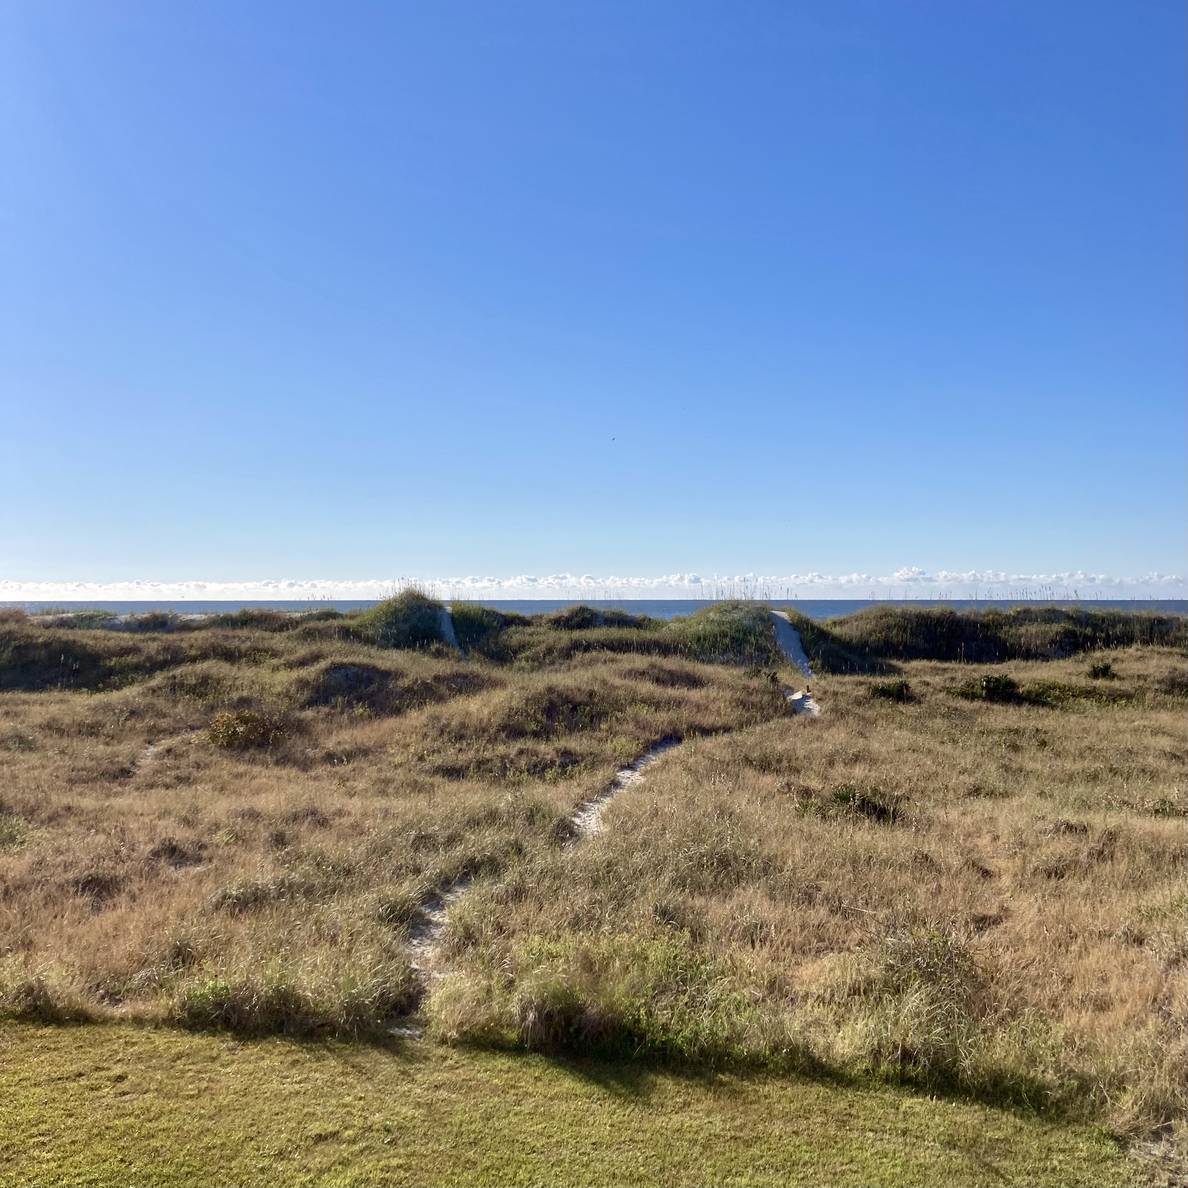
<point>341,291</point>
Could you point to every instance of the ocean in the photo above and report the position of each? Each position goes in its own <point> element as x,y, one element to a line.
<point>658,608</point>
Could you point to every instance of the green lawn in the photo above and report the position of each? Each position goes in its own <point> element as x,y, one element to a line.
<point>130,1106</point>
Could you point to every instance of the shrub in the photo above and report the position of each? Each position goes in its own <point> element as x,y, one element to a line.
<point>730,632</point>
<point>1102,670</point>
<point>410,620</point>
<point>581,618</point>
<point>85,620</point>
<point>242,729</point>
<point>480,629</point>
<point>896,690</point>
<point>152,621</point>
<point>992,687</point>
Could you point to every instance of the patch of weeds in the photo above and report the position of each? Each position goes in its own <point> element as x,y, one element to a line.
<point>881,807</point>
<point>1175,684</point>
<point>177,854</point>
<point>897,690</point>
<point>582,618</point>
<point>239,730</point>
<point>997,688</point>
<point>14,831</point>
<point>1057,694</point>
<point>1102,670</point>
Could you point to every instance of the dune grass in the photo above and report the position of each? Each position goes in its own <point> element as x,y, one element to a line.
<point>113,1105</point>
<point>240,827</point>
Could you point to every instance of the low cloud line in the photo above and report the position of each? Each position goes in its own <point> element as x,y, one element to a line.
<point>907,582</point>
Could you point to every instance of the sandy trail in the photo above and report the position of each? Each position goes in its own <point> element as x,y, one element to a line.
<point>447,629</point>
<point>587,819</point>
<point>788,641</point>
<point>790,644</point>
<point>424,937</point>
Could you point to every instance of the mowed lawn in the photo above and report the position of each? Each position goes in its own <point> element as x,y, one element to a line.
<point>116,1104</point>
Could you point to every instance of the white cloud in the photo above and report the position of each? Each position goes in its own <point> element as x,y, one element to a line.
<point>907,581</point>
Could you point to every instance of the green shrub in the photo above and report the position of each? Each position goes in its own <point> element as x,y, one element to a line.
<point>582,618</point>
<point>1102,670</point>
<point>896,690</point>
<point>480,629</point>
<point>85,620</point>
<point>992,687</point>
<point>410,620</point>
<point>993,636</point>
<point>152,621</point>
<point>729,632</point>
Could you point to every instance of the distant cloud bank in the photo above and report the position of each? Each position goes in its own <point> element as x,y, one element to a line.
<point>910,582</point>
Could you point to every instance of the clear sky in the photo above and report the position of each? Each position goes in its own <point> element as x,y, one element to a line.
<point>345,290</point>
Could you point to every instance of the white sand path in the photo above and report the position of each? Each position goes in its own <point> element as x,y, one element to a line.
<point>789,642</point>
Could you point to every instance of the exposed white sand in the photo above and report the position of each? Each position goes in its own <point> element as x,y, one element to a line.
<point>788,641</point>
<point>447,628</point>
<point>587,819</point>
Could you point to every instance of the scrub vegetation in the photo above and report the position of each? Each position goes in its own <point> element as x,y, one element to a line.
<point>966,875</point>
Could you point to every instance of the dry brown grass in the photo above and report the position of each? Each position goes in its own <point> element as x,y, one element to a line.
<point>247,844</point>
<point>982,896</point>
<point>1014,928</point>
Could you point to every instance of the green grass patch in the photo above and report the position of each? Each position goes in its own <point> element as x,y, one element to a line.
<point>110,1106</point>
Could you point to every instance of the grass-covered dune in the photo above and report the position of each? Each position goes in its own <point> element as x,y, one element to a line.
<point>964,877</point>
<point>882,634</point>
<point>871,640</point>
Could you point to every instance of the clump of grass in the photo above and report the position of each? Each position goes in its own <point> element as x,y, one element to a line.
<point>239,730</point>
<point>616,996</point>
<point>731,632</point>
<point>278,1001</point>
<point>152,621</point>
<point>83,620</point>
<point>582,618</point>
<point>480,629</point>
<point>43,994</point>
<point>995,687</point>
<point>409,620</point>
<point>1102,670</point>
<point>880,807</point>
<point>895,690</point>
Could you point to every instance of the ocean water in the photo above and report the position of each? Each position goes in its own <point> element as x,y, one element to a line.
<point>657,608</point>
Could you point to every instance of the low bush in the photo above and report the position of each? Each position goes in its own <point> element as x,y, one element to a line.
<point>1003,690</point>
<point>243,729</point>
<point>728,632</point>
<point>480,629</point>
<point>897,690</point>
<point>582,618</point>
<point>409,620</point>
